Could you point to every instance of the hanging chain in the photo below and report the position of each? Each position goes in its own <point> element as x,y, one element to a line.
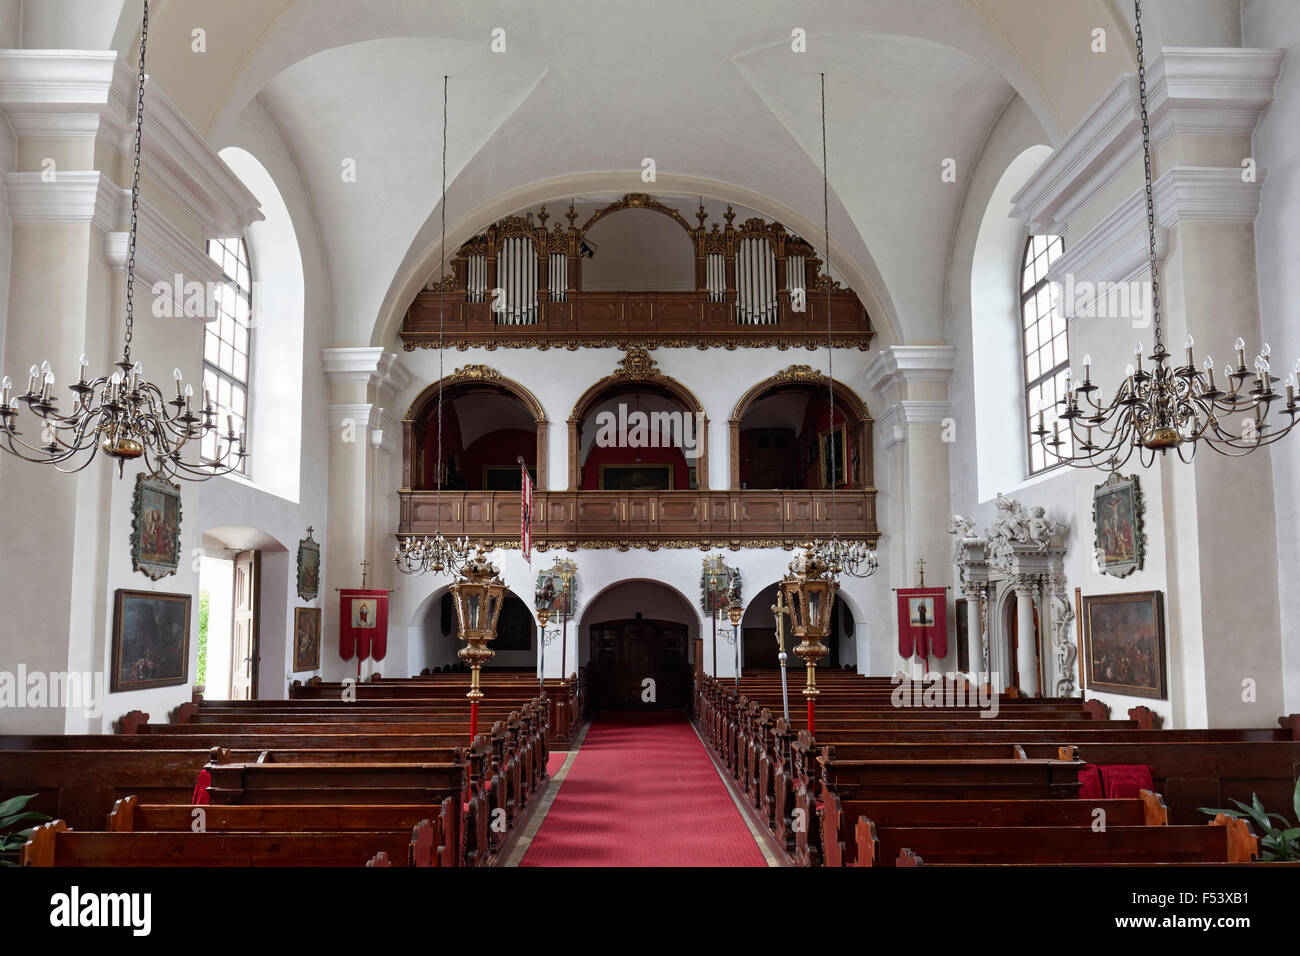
<point>1146,155</point>
<point>135,193</point>
<point>830,343</point>
<point>442,298</point>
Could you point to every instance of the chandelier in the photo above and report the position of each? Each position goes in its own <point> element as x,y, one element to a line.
<point>1169,407</point>
<point>122,414</point>
<point>435,553</point>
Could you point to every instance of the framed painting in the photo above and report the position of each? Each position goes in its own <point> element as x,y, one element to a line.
<point>834,457</point>
<point>636,477</point>
<point>1124,643</point>
<point>308,567</point>
<point>155,527</point>
<point>306,638</point>
<point>1119,542</point>
<point>151,640</point>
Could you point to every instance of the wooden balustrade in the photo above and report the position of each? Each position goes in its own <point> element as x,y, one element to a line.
<point>635,320</point>
<point>652,519</point>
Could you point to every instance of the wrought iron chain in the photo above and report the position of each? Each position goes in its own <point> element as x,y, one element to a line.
<point>830,342</point>
<point>442,299</point>
<point>1146,155</point>
<point>135,192</point>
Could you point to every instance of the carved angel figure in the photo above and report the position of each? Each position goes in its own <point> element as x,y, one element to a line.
<point>1041,528</point>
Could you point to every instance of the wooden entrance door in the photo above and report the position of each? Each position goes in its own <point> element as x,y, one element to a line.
<point>624,653</point>
<point>243,644</point>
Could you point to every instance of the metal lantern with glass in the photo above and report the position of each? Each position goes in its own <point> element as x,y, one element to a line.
<point>809,592</point>
<point>477,593</point>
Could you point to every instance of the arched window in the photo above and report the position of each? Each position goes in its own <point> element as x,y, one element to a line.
<point>1044,345</point>
<point>227,341</point>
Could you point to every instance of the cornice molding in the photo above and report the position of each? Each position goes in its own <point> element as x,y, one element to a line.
<point>900,364</point>
<point>92,93</point>
<point>372,366</point>
<point>892,425</point>
<point>71,197</point>
<point>1117,250</point>
<point>359,414</point>
<point>1190,89</point>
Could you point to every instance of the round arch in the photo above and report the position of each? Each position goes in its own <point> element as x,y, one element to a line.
<point>478,376</point>
<point>638,201</point>
<point>806,375</point>
<point>758,621</point>
<point>635,368</point>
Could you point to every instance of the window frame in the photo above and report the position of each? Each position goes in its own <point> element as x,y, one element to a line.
<point>1054,249</point>
<point>212,329</point>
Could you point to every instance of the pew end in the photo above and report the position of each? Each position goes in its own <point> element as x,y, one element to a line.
<point>908,859</point>
<point>1243,845</point>
<point>868,842</point>
<point>379,859</point>
<point>1096,710</point>
<point>1154,811</point>
<point>1147,719</point>
<point>39,848</point>
<point>121,819</point>
<point>132,722</point>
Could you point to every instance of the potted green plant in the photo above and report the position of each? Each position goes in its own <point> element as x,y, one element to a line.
<point>12,812</point>
<point>1279,843</point>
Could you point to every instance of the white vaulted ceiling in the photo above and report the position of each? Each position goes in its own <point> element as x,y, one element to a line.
<point>589,88</point>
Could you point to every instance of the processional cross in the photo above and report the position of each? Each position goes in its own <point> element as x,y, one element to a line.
<point>364,566</point>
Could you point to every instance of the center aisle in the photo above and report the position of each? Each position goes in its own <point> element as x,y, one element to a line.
<point>642,791</point>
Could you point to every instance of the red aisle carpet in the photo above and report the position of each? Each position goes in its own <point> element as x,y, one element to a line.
<point>642,791</point>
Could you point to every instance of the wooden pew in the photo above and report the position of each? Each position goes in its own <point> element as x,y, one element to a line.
<point>1214,842</point>
<point>129,816</point>
<point>54,844</point>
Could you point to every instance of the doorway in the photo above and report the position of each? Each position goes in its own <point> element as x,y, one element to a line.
<point>628,653</point>
<point>229,635</point>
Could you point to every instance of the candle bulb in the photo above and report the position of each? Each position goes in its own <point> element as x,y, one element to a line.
<point>1137,352</point>
<point>1130,372</point>
<point>1290,390</point>
<point>1209,371</point>
<point>6,386</point>
<point>189,395</point>
<point>1240,346</point>
<point>230,425</point>
<point>176,374</point>
<point>1189,345</point>
<point>45,389</point>
<point>31,380</point>
<point>1087,367</point>
<point>85,364</point>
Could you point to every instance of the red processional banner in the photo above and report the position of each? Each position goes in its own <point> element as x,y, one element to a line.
<point>363,623</point>
<point>923,622</point>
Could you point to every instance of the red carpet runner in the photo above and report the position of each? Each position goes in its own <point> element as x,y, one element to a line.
<point>643,792</point>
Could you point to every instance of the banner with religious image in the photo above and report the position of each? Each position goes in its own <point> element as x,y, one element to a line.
<point>363,623</point>
<point>923,622</point>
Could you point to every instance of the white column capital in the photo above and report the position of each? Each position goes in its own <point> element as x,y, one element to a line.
<point>903,364</point>
<point>371,366</point>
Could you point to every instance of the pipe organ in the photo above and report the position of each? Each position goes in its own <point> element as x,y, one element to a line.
<point>753,286</point>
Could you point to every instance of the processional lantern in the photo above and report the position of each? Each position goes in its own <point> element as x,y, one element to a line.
<point>478,594</point>
<point>810,590</point>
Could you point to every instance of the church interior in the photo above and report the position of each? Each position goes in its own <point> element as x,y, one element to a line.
<point>858,428</point>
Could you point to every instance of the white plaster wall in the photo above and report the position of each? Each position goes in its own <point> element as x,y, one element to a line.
<point>990,434</point>
<point>1276,23</point>
<point>287,493</point>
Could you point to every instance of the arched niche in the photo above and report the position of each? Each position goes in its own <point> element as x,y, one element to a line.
<point>636,370</point>
<point>758,650</point>
<point>804,378</point>
<point>472,380</point>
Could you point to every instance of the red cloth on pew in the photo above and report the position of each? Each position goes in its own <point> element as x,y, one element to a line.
<point>1090,787</point>
<point>1123,781</point>
<point>201,795</point>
